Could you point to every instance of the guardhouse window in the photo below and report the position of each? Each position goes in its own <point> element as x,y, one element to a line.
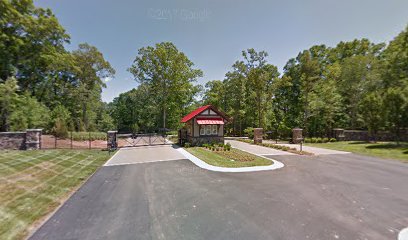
<point>208,130</point>
<point>214,129</point>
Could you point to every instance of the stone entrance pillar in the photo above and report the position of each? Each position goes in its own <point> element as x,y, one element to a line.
<point>338,134</point>
<point>258,135</point>
<point>112,140</point>
<point>33,139</point>
<point>297,136</point>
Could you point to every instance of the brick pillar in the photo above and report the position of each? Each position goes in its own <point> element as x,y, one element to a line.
<point>338,134</point>
<point>111,139</point>
<point>33,139</point>
<point>258,135</point>
<point>297,136</point>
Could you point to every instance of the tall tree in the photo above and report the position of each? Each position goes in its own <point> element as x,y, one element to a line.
<point>92,72</point>
<point>31,40</point>
<point>170,75</point>
<point>215,94</point>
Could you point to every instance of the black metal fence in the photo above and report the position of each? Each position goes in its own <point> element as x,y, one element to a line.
<point>84,140</point>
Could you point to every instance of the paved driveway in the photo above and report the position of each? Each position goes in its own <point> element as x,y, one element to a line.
<point>144,154</point>
<point>321,197</point>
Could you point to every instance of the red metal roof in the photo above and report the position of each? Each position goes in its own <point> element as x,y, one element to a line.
<point>199,110</point>
<point>210,121</point>
<point>194,113</point>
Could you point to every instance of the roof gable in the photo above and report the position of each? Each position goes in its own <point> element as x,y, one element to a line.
<point>199,110</point>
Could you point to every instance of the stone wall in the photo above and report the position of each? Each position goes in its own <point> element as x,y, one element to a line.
<point>12,140</point>
<point>204,139</point>
<point>360,135</point>
<point>29,140</point>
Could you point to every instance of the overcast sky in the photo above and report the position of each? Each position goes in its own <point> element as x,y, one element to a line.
<point>212,33</point>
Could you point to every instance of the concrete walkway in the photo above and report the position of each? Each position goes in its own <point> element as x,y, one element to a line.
<point>255,149</point>
<point>314,150</point>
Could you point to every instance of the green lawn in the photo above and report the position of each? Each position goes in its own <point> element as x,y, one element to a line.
<point>381,149</point>
<point>34,183</point>
<point>234,158</point>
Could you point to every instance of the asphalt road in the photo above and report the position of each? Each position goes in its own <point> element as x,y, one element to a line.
<point>325,197</point>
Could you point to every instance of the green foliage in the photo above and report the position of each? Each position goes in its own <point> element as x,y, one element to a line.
<point>233,158</point>
<point>19,112</point>
<point>217,146</point>
<point>321,89</point>
<point>249,132</point>
<point>169,74</point>
<point>215,94</point>
<point>32,50</point>
<point>106,123</point>
<point>372,112</point>
<point>278,147</point>
<point>396,105</point>
<point>29,113</point>
<point>8,101</point>
<point>350,85</point>
<point>60,129</point>
<point>60,121</point>
<point>85,136</point>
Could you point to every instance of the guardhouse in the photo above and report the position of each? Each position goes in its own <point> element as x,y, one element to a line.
<point>203,125</point>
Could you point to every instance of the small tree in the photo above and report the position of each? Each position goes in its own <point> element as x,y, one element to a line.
<point>60,121</point>
<point>106,123</point>
<point>249,132</point>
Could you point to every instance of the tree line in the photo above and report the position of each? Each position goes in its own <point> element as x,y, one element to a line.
<point>43,85</point>
<point>356,84</point>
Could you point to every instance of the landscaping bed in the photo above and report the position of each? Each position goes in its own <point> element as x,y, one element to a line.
<point>34,183</point>
<point>225,156</point>
<point>276,146</point>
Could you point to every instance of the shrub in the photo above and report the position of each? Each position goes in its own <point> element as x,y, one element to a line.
<point>60,129</point>
<point>284,148</point>
<point>249,132</point>
<point>333,140</point>
<point>187,145</point>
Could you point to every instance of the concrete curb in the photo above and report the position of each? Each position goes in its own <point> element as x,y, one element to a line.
<point>200,163</point>
<point>403,235</point>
